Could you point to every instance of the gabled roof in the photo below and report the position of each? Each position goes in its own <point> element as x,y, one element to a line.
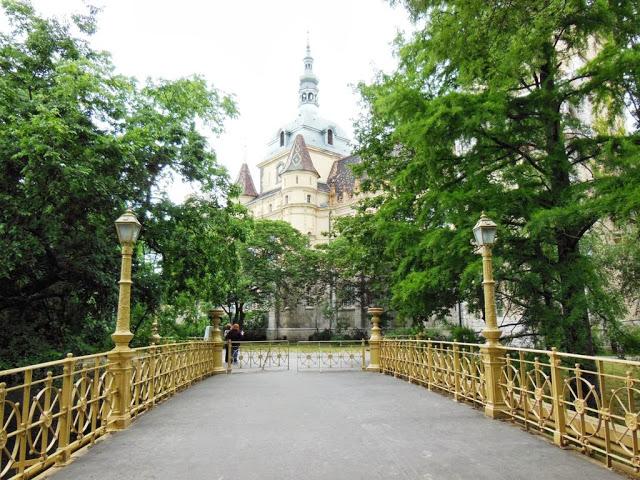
<point>299,158</point>
<point>246,182</point>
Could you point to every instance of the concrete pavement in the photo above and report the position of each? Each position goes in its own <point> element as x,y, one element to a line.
<point>332,425</point>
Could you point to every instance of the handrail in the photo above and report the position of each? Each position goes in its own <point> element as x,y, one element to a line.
<point>51,409</point>
<point>591,403</point>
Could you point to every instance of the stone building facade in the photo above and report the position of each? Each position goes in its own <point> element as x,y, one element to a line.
<point>305,180</point>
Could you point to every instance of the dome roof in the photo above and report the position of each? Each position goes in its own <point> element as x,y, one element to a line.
<point>316,130</point>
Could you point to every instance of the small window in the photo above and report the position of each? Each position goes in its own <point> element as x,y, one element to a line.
<point>296,179</point>
<point>304,97</point>
<point>282,139</point>
<point>270,207</point>
<point>330,137</point>
<point>308,198</point>
<point>310,96</point>
<point>286,199</point>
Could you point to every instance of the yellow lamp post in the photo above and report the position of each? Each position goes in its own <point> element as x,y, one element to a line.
<point>492,355</point>
<point>216,338</point>
<point>120,358</point>
<point>375,342</point>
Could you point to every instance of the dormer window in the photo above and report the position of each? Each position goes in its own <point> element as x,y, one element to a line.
<point>282,139</point>
<point>330,137</point>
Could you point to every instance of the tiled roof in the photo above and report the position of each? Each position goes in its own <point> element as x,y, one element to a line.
<point>341,176</point>
<point>299,158</point>
<point>246,182</point>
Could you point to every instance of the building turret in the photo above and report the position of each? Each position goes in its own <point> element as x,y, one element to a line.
<point>308,91</point>
<point>248,189</point>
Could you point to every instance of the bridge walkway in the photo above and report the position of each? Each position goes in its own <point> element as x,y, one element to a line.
<point>343,425</point>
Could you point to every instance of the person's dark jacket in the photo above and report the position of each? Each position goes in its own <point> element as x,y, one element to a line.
<point>235,336</point>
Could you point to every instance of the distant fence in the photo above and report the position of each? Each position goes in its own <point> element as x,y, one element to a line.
<point>331,355</point>
<point>589,403</point>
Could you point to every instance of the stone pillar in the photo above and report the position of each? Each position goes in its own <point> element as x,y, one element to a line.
<point>375,342</point>
<point>216,339</point>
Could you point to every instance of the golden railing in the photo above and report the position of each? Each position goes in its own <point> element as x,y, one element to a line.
<point>50,410</point>
<point>589,403</point>
<point>331,355</point>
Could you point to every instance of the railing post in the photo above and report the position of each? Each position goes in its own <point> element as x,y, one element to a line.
<point>429,365</point>
<point>456,371</point>
<point>364,356</point>
<point>493,360</point>
<point>66,419</point>
<point>216,339</point>
<point>556,392</point>
<point>229,359</point>
<point>120,358</point>
<point>375,340</point>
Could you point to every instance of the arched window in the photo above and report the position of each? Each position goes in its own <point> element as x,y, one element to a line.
<point>282,139</point>
<point>286,199</point>
<point>304,97</point>
<point>330,137</point>
<point>310,96</point>
<point>296,179</point>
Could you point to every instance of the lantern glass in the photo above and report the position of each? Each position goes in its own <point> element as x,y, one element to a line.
<point>485,231</point>
<point>128,228</point>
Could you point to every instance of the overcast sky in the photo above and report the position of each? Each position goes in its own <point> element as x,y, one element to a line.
<point>252,49</point>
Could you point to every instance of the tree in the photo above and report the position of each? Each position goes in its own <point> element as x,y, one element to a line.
<point>515,109</point>
<point>354,263</point>
<point>78,143</point>
<point>276,268</point>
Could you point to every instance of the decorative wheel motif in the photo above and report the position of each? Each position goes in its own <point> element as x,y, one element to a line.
<point>584,418</point>
<point>624,420</point>
<point>8,452</point>
<point>42,434</point>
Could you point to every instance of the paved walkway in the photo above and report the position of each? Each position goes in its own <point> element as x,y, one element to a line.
<point>342,425</point>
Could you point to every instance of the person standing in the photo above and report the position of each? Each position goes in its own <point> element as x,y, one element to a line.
<point>236,337</point>
<point>225,334</point>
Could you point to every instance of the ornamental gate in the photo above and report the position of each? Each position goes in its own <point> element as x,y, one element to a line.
<point>308,356</point>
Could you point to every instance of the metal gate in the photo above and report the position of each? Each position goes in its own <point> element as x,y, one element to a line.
<point>309,356</point>
<point>258,355</point>
<point>331,355</point>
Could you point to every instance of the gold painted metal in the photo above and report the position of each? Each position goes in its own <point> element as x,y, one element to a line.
<point>560,395</point>
<point>120,358</point>
<point>491,354</point>
<point>375,340</point>
<point>216,338</point>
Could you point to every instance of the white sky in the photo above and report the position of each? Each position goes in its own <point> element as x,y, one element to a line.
<point>252,49</point>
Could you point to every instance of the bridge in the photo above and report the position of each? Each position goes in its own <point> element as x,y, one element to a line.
<point>390,408</point>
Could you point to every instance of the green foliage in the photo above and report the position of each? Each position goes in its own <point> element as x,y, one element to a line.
<point>78,144</point>
<point>465,335</point>
<point>483,113</point>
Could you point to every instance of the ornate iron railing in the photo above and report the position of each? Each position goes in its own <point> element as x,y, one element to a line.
<point>50,410</point>
<point>590,403</point>
<point>258,355</point>
<point>331,355</point>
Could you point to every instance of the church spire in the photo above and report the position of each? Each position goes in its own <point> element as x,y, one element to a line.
<point>308,92</point>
